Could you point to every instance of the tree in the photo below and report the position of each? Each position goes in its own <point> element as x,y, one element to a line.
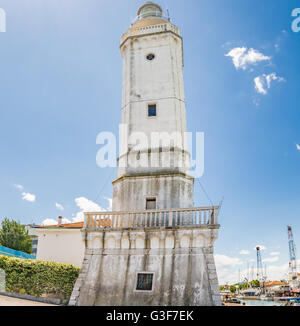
<point>255,283</point>
<point>14,236</point>
<point>232,289</point>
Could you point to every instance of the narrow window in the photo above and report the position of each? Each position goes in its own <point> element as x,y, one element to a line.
<point>144,282</point>
<point>152,110</point>
<point>150,204</point>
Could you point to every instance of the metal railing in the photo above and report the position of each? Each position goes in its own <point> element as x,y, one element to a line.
<point>137,31</point>
<point>172,218</point>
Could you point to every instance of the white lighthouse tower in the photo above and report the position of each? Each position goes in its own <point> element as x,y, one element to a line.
<point>155,248</point>
<point>155,175</point>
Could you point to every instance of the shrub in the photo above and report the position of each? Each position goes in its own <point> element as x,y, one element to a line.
<point>39,278</point>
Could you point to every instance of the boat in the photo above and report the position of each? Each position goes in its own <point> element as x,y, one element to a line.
<point>251,294</point>
<point>295,302</point>
<point>266,298</point>
<point>251,298</point>
<point>233,300</point>
<point>285,299</point>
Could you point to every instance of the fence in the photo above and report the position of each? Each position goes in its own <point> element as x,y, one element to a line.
<point>15,253</point>
<point>194,217</point>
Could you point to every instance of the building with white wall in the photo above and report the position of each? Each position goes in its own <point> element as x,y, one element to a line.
<point>61,243</point>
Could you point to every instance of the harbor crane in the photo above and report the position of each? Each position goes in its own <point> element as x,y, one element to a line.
<point>259,271</point>
<point>293,259</point>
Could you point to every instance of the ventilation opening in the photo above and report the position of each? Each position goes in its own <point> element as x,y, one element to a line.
<point>144,282</point>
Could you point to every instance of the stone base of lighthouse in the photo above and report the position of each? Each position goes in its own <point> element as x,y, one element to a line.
<point>180,263</point>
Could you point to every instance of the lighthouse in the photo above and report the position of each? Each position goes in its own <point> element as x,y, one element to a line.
<point>154,248</point>
<point>154,174</point>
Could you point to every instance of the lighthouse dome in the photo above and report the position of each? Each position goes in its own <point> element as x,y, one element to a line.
<point>150,9</point>
<point>150,14</point>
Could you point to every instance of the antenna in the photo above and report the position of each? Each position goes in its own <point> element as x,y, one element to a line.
<point>266,272</point>
<point>168,15</point>
<point>259,271</point>
<point>221,202</point>
<point>248,271</point>
<point>252,272</point>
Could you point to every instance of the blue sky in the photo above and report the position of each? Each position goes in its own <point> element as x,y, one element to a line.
<point>60,85</point>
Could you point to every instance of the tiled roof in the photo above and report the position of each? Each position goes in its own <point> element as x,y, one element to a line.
<point>77,225</point>
<point>274,283</point>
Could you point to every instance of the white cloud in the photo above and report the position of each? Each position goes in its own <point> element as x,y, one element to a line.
<point>274,273</point>
<point>242,57</point>
<point>226,261</point>
<point>110,204</point>
<point>59,206</point>
<point>272,77</point>
<point>28,197</point>
<point>50,221</point>
<point>271,260</point>
<point>263,83</point>
<point>259,85</point>
<point>278,272</point>
<point>25,195</point>
<point>244,252</point>
<point>232,275</point>
<point>19,187</point>
<point>225,266</point>
<point>261,247</point>
<point>86,205</point>
<point>276,253</point>
<point>298,147</point>
<point>231,269</point>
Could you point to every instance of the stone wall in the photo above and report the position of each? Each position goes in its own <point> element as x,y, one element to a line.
<point>181,261</point>
<point>170,191</point>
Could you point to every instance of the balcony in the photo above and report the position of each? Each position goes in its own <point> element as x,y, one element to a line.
<point>137,31</point>
<point>201,217</point>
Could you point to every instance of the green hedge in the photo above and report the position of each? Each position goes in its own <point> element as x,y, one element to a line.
<point>39,278</point>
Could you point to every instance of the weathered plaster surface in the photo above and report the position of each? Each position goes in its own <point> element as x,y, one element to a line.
<point>181,260</point>
<point>170,191</point>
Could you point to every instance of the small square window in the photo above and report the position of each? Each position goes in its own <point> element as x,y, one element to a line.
<point>144,282</point>
<point>150,204</point>
<point>152,110</point>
